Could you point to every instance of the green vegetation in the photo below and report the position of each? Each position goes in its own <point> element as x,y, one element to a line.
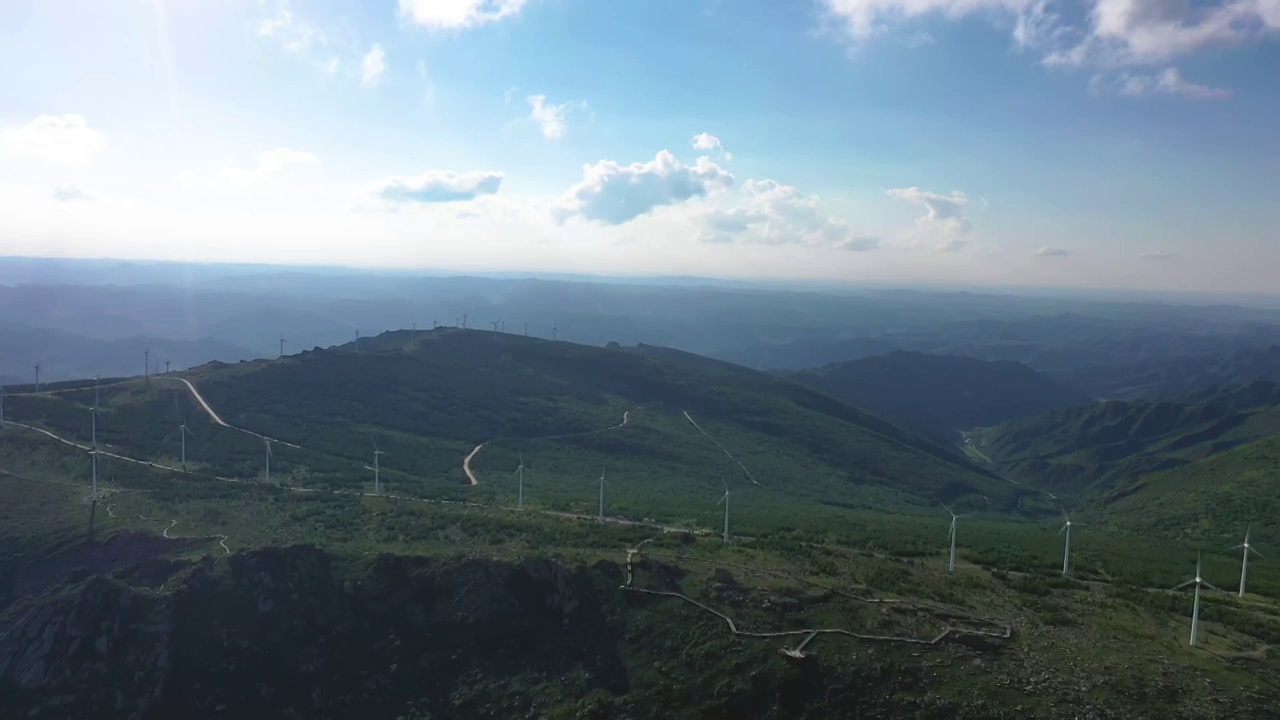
<point>509,612</point>
<point>1091,449</point>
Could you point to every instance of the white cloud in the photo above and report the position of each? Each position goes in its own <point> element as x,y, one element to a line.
<point>435,186</point>
<point>293,33</point>
<point>61,138</point>
<point>946,216</point>
<point>1104,34</point>
<point>330,66</point>
<point>552,119</point>
<point>373,66</point>
<point>1167,82</point>
<point>1053,252</point>
<point>69,193</point>
<point>614,194</point>
<point>707,143</point>
<point>1158,255</point>
<point>775,214</point>
<point>272,164</point>
<point>456,14</point>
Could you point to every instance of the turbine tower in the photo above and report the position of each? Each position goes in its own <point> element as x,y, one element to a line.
<point>554,331</point>
<point>464,321</point>
<point>281,345</point>
<point>93,488</point>
<point>37,377</point>
<point>267,443</point>
<point>166,367</point>
<point>725,499</point>
<point>377,474</point>
<point>146,365</point>
<point>183,430</point>
<point>602,484</point>
<point>1195,608</point>
<point>357,341</point>
<point>495,324</point>
<point>1066,548</point>
<point>951,562</point>
<point>520,492</point>
<point>1244,561</point>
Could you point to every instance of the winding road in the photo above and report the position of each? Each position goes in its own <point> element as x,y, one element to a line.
<point>466,465</point>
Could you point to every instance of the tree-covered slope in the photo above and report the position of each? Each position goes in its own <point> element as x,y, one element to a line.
<point>1096,446</point>
<point>939,395</point>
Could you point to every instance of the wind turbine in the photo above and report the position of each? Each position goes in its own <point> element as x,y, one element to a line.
<point>504,326</point>
<point>526,329</point>
<point>183,430</point>
<point>281,345</point>
<point>1244,561</point>
<point>725,499</point>
<point>520,495</point>
<point>37,377</point>
<point>951,563</point>
<point>602,484</point>
<point>267,443</point>
<point>146,365</point>
<point>357,341</point>
<point>93,488</point>
<point>377,476</point>
<point>495,323</point>
<point>554,331</point>
<point>1195,609</point>
<point>464,321</point>
<point>1066,548</point>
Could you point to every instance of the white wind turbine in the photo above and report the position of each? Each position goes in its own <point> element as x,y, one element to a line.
<point>282,345</point>
<point>183,430</point>
<point>951,562</point>
<point>495,324</point>
<point>37,377</point>
<point>725,499</point>
<point>1066,548</point>
<point>267,443</point>
<point>602,484</point>
<point>377,469</point>
<point>1244,561</point>
<point>1195,608</point>
<point>520,492</point>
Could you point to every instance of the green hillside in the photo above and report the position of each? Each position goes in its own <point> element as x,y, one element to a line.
<point>1093,447</point>
<point>559,405</point>
<point>1168,375</point>
<point>1217,498</point>
<point>937,396</point>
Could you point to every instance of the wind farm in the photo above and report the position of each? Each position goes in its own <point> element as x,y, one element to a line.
<point>713,496</point>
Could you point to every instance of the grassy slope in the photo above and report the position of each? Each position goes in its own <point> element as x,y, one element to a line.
<point>1216,497</point>
<point>1096,446</point>
<point>552,402</point>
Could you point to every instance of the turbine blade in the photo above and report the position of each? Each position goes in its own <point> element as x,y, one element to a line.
<point>1255,552</point>
<point>1211,586</point>
<point>1062,529</point>
<point>1188,583</point>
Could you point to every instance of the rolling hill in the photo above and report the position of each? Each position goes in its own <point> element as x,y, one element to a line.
<point>667,428</point>
<point>1094,447</point>
<point>937,396</point>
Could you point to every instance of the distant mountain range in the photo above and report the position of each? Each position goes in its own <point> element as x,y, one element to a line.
<point>939,395</point>
<point>1163,376</point>
<point>66,356</point>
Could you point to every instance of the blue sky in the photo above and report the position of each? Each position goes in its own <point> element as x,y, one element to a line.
<point>1107,143</point>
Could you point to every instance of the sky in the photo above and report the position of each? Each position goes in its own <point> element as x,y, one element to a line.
<point>1052,143</point>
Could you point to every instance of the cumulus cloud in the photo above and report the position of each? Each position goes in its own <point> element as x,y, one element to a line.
<point>329,66</point>
<point>436,186</point>
<point>776,214</point>
<point>272,164</point>
<point>709,143</point>
<point>1158,255</point>
<point>1053,252</point>
<point>946,216</point>
<point>373,66</point>
<point>614,194</point>
<point>551,118</point>
<point>61,138</point>
<point>1167,82</point>
<point>1106,34</point>
<point>458,14</point>
<point>70,193</point>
